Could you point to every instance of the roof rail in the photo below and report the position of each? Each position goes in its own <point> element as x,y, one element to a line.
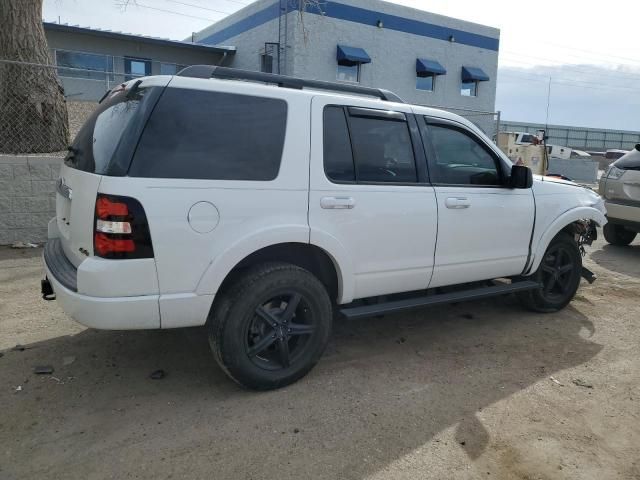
<point>211,71</point>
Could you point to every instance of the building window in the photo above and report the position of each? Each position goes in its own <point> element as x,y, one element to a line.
<point>426,82</point>
<point>136,67</point>
<point>266,63</point>
<point>349,73</point>
<point>469,88</point>
<point>84,65</point>
<point>168,69</point>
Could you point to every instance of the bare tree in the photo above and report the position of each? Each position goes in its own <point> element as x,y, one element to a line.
<point>33,110</point>
<point>304,6</point>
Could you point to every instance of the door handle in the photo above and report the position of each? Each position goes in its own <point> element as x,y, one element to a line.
<point>337,203</point>
<point>457,203</point>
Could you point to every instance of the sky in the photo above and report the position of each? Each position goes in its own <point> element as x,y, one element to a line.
<point>589,50</point>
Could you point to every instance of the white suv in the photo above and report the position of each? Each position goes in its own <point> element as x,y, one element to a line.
<point>260,205</point>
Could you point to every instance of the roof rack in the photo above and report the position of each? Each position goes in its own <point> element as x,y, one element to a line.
<point>284,81</point>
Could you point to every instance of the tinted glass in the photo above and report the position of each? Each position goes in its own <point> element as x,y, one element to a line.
<point>168,68</point>
<point>461,159</point>
<point>84,65</point>
<point>94,147</point>
<point>338,159</point>
<point>382,150</point>
<point>212,135</point>
<point>469,89</point>
<point>425,82</point>
<point>349,73</point>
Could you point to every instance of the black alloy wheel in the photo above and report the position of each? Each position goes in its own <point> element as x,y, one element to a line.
<point>558,269</point>
<point>270,326</point>
<point>279,331</point>
<point>559,276</point>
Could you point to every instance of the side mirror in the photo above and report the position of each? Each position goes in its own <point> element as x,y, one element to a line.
<point>521,177</point>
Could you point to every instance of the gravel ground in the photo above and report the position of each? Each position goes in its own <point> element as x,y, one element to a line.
<point>478,390</point>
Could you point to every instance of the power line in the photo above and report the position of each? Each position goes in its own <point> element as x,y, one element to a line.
<point>602,55</point>
<point>198,6</point>
<point>573,83</point>
<point>603,72</point>
<point>138,4</point>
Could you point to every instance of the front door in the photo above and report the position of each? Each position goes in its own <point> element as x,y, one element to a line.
<point>369,198</point>
<point>484,227</point>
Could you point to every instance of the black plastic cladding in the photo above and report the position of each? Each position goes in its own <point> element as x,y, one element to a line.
<point>140,233</point>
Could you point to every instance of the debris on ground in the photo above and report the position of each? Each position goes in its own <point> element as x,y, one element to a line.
<point>158,375</point>
<point>468,316</point>
<point>24,245</point>
<point>18,388</point>
<point>581,383</point>
<point>556,381</point>
<point>43,370</point>
<point>1,354</point>
<point>19,348</point>
<point>401,340</point>
<point>66,361</point>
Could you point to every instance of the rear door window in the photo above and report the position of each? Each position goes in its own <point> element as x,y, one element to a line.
<point>212,136</point>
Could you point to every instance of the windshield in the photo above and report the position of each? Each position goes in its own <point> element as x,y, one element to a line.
<point>106,131</point>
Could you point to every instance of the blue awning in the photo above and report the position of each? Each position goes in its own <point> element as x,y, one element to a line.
<point>424,67</point>
<point>469,74</point>
<point>352,55</point>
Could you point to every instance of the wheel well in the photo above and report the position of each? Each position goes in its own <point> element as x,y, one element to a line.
<point>306,256</point>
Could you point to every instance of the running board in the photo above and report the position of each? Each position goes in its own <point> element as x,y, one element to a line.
<point>439,298</point>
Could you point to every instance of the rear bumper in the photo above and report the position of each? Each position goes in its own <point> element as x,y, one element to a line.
<point>110,313</point>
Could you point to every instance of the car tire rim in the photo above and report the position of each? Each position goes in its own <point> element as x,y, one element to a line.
<point>558,268</point>
<point>280,332</point>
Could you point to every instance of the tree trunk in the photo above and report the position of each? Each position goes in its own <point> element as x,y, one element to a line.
<point>33,109</point>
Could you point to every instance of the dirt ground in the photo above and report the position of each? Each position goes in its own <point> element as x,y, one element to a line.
<point>468,391</point>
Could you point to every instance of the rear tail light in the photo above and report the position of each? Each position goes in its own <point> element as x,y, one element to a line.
<point>121,230</point>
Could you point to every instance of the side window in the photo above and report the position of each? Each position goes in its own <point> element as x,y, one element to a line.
<point>338,159</point>
<point>382,147</point>
<point>461,159</point>
<point>198,134</point>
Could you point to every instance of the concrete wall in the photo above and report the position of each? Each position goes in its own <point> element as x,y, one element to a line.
<point>27,197</point>
<point>393,52</point>
<point>251,43</point>
<point>578,169</point>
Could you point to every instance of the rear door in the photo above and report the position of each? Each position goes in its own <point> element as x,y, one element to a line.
<point>484,227</point>
<point>103,146</point>
<point>369,195</point>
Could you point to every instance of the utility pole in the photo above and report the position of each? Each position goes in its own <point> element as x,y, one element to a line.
<point>546,126</point>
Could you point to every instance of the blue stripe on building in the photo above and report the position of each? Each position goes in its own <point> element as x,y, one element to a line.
<point>363,16</point>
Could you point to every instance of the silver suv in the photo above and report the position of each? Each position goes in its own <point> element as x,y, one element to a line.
<point>620,187</point>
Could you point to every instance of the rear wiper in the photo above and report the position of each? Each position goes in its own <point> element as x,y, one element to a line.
<point>134,89</point>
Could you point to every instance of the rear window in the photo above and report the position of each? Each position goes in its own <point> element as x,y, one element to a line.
<point>105,142</point>
<point>213,136</point>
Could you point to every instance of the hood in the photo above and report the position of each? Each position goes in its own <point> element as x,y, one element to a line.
<point>544,178</point>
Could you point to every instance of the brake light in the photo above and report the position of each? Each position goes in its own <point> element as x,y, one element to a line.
<point>105,245</point>
<point>121,230</point>
<point>106,208</point>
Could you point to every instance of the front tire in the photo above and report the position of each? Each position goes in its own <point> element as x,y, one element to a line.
<point>618,235</point>
<point>559,274</point>
<point>271,326</point>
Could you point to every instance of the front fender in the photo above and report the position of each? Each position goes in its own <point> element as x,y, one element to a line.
<point>567,218</point>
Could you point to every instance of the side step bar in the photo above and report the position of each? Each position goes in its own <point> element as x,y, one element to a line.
<point>435,299</point>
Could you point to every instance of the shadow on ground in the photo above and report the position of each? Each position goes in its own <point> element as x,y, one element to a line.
<point>624,260</point>
<point>385,387</point>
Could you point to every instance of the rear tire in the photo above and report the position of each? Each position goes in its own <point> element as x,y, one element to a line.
<point>559,274</point>
<point>618,235</point>
<point>271,326</point>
